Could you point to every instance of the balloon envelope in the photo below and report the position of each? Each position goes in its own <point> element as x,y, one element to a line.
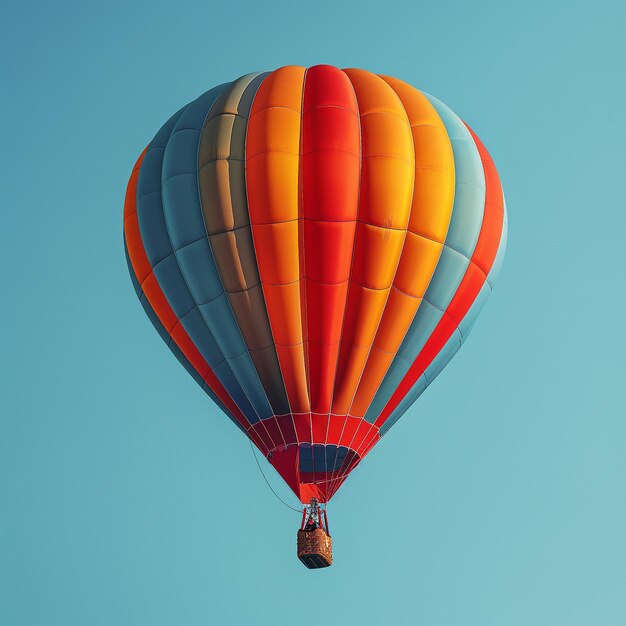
<point>314,246</point>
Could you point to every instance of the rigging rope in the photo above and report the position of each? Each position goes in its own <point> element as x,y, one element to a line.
<point>299,511</point>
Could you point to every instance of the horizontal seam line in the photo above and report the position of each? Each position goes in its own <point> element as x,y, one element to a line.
<point>322,344</point>
<point>432,168</point>
<point>227,159</point>
<point>401,117</point>
<point>292,282</point>
<point>447,245</point>
<point>148,193</point>
<point>244,290</point>
<point>460,182</point>
<point>173,252</point>
<point>406,293</point>
<point>435,126</point>
<point>254,156</point>
<point>330,106</point>
<point>229,230</point>
<point>397,157</point>
<point>224,114</point>
<point>319,282</point>
<point>182,130</point>
<point>331,150</point>
<point>441,243</point>
<point>356,282</point>
<point>165,180</point>
<point>312,219</point>
<point>374,346</point>
<point>275,106</point>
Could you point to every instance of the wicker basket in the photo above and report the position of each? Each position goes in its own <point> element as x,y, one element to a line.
<point>315,548</point>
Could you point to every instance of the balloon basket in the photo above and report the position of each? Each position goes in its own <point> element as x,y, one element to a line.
<point>315,548</point>
<point>315,545</point>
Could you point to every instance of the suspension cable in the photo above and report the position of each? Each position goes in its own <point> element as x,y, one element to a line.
<point>299,511</point>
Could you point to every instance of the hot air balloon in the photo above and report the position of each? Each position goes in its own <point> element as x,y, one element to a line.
<point>314,246</point>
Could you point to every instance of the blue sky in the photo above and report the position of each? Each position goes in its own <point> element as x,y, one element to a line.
<point>128,499</point>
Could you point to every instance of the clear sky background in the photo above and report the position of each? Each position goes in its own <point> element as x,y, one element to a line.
<point>126,498</point>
